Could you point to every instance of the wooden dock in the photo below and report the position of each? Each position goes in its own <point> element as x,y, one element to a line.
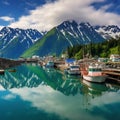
<point>113,74</point>
<point>113,64</point>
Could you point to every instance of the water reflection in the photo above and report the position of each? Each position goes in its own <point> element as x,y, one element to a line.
<point>22,77</point>
<point>33,76</point>
<point>35,93</point>
<point>94,89</point>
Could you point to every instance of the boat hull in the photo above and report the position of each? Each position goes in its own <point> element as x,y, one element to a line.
<point>97,79</point>
<point>73,72</point>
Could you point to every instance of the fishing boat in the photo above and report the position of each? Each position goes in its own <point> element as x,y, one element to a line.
<point>73,70</point>
<point>93,73</point>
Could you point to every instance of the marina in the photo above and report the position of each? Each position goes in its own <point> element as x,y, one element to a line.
<point>111,69</point>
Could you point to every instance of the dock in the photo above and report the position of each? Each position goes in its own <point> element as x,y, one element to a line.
<point>113,74</point>
<point>113,65</point>
<point>7,63</point>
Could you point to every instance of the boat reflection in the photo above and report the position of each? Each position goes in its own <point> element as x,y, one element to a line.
<point>94,89</point>
<point>12,70</point>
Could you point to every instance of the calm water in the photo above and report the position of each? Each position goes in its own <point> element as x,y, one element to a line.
<point>34,93</point>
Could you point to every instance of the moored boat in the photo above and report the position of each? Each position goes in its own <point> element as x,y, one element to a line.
<point>49,64</point>
<point>93,73</point>
<point>73,70</point>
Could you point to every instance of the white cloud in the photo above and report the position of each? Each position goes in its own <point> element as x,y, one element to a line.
<point>52,14</point>
<point>7,18</point>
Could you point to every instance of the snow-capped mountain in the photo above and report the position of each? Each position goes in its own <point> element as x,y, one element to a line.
<point>17,42</point>
<point>84,33</point>
<point>13,42</point>
<point>108,32</point>
<point>67,34</point>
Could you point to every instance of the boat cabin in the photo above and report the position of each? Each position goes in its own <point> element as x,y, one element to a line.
<point>95,70</point>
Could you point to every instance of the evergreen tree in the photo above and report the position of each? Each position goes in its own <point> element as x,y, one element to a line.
<point>104,49</point>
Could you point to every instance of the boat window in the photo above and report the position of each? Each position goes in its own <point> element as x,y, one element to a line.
<point>74,66</point>
<point>95,69</point>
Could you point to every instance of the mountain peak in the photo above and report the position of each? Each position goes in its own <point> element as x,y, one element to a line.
<point>70,22</point>
<point>67,24</point>
<point>6,29</point>
<point>110,31</point>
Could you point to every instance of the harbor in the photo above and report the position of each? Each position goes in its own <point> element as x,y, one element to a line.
<point>110,69</point>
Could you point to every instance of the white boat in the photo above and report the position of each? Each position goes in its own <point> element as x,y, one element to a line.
<point>73,70</point>
<point>94,73</point>
<point>49,64</point>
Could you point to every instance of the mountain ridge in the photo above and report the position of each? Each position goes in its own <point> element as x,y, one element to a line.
<point>108,32</point>
<point>66,34</point>
<point>15,42</point>
<point>12,40</point>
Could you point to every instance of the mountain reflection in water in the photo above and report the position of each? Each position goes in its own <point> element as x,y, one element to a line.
<point>35,93</point>
<point>33,76</point>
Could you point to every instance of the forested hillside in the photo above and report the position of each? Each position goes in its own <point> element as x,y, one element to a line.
<point>104,49</point>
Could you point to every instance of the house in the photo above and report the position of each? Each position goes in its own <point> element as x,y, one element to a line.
<point>115,58</point>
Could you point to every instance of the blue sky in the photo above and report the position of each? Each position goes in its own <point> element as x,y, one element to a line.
<point>45,14</point>
<point>17,8</point>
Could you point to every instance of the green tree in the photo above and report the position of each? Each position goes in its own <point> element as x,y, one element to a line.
<point>79,55</point>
